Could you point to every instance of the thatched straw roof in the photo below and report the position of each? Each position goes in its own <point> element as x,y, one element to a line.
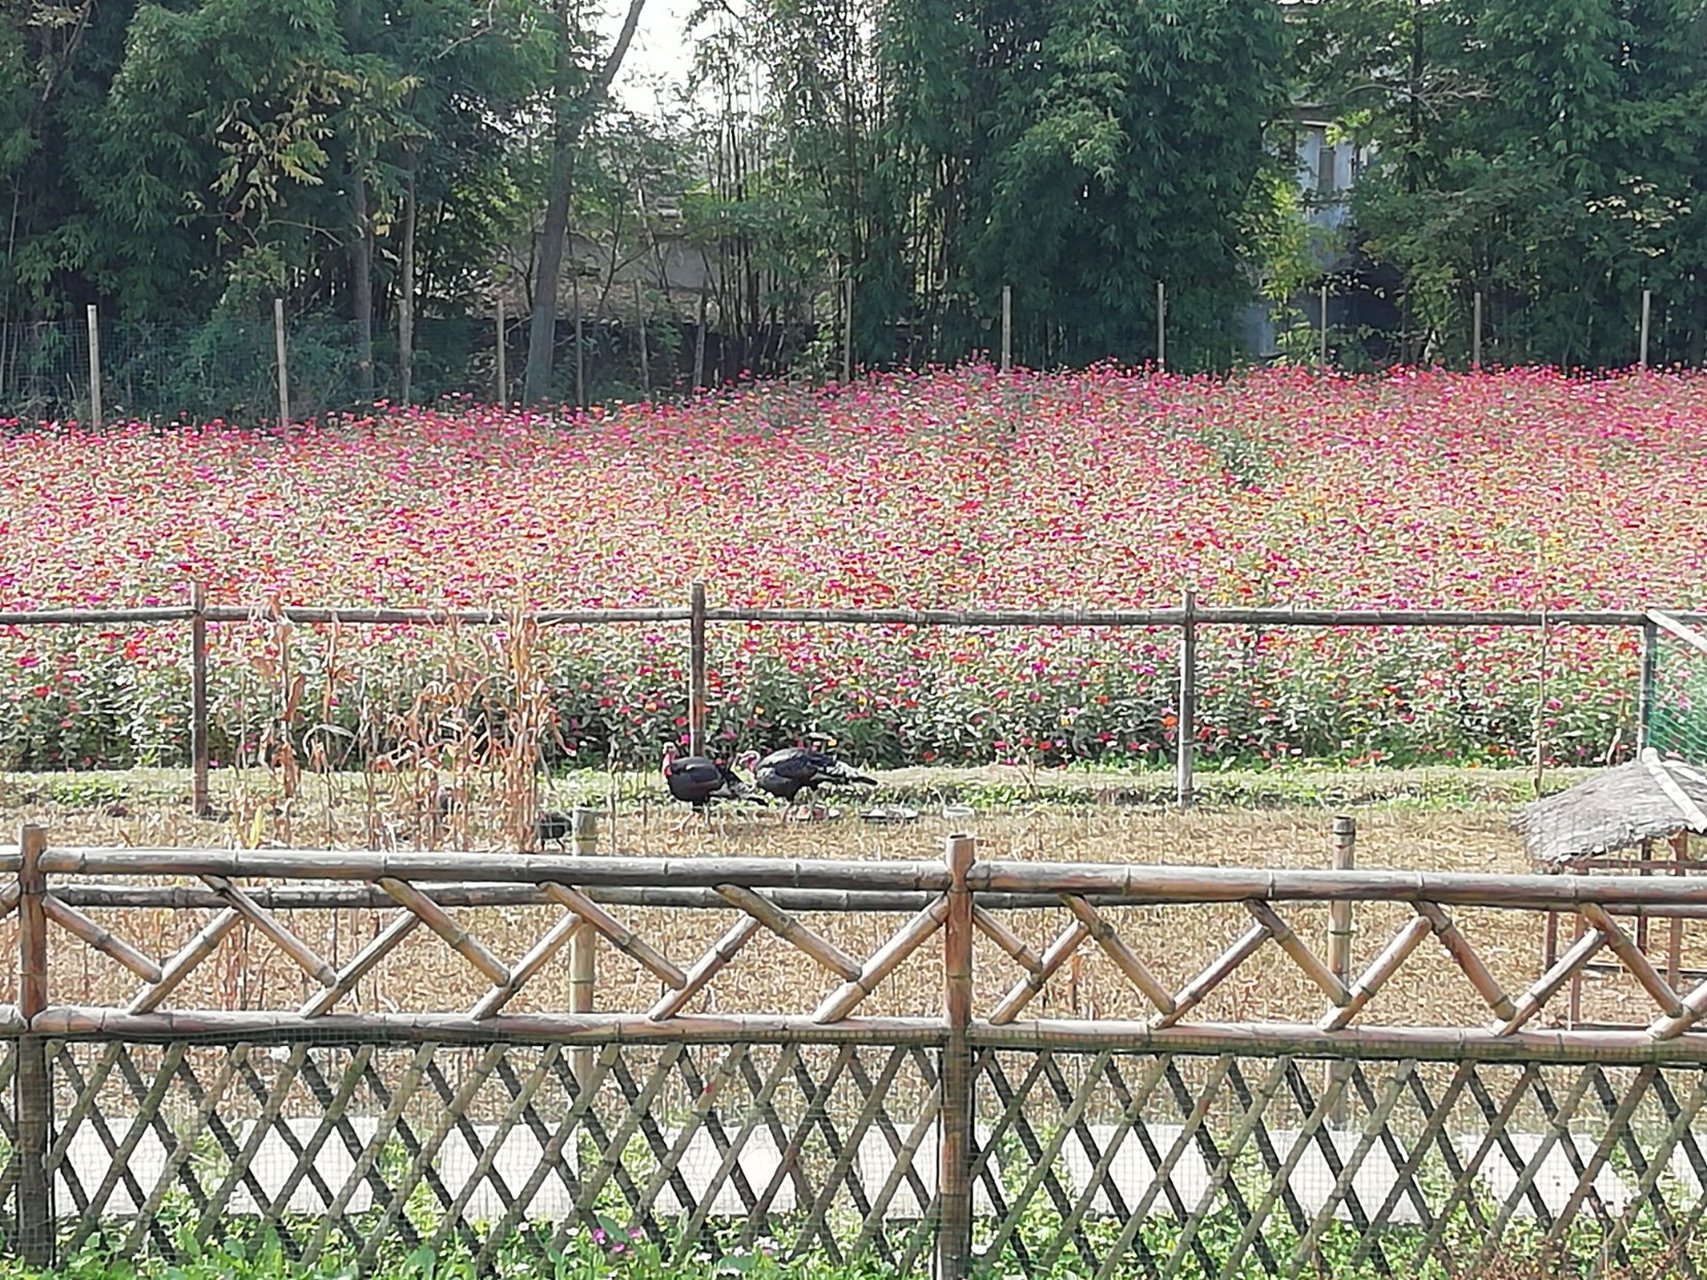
<point>1617,809</point>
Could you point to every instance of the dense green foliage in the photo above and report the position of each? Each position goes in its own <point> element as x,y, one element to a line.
<point>182,162</point>
<point>1552,157</point>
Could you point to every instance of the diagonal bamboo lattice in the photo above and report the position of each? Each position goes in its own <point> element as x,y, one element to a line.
<point>1169,1144</point>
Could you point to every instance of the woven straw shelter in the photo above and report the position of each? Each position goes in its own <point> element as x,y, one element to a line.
<point>1621,822</point>
<point>1627,807</point>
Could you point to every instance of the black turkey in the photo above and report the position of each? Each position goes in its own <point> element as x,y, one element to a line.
<point>698,781</point>
<point>555,827</point>
<point>786,773</point>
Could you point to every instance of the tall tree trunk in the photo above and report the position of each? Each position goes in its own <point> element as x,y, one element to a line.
<point>570,119</point>
<point>406,298</point>
<point>361,283</point>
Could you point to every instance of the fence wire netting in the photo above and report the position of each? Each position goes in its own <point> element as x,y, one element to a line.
<point>1105,1163</point>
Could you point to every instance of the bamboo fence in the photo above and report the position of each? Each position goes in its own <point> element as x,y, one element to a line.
<point>922,1138</point>
<point>700,616</point>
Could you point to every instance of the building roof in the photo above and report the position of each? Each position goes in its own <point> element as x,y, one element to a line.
<point>1618,808</point>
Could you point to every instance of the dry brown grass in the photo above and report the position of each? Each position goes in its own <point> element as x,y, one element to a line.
<point>771,976</point>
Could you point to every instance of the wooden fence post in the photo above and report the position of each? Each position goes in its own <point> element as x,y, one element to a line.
<point>1340,932</point>
<point>279,352</point>
<point>34,1097</point>
<point>696,670</point>
<point>97,411</point>
<point>583,964</point>
<point>503,371</point>
<point>1007,328</point>
<point>1645,690</point>
<point>1185,747</point>
<point>1476,332</point>
<point>198,701</point>
<point>954,1150</point>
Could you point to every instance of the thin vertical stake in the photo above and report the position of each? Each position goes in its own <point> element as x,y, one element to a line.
<point>198,702</point>
<point>583,965</point>
<point>640,329</point>
<point>1186,745</point>
<point>503,371</point>
<point>847,330</point>
<point>96,408</point>
<point>1645,691</point>
<point>1476,332</point>
<point>696,670</point>
<point>1007,328</point>
<point>699,343</point>
<point>34,1090</point>
<point>1647,314</point>
<point>580,345</point>
<point>1161,325</point>
<point>1322,354</point>
<point>279,351</point>
<point>954,1153</point>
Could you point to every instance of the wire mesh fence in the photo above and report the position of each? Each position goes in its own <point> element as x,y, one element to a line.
<point>227,369</point>
<point>1184,1128</point>
<point>1104,1163</point>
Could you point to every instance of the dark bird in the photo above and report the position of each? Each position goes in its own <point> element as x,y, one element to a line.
<point>786,773</point>
<point>698,781</point>
<point>555,827</point>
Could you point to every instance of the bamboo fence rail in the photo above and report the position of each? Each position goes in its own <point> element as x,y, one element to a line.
<point>699,615</point>
<point>950,1088</point>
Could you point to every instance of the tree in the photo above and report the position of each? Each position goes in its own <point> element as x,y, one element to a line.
<point>575,97</point>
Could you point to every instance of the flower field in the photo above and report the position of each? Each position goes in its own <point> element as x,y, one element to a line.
<point>950,489</point>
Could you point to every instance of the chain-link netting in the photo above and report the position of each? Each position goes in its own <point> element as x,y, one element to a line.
<point>1677,694</point>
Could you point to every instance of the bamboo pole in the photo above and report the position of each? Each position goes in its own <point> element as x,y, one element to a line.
<point>283,371</point>
<point>199,716</point>
<point>34,1102</point>
<point>1185,728</point>
<point>1340,935</point>
<point>706,968</point>
<point>1620,1047</point>
<point>792,931</point>
<point>1125,884</point>
<point>696,670</point>
<point>1465,957</point>
<point>97,411</point>
<point>101,939</point>
<point>583,947</point>
<point>884,961</point>
<point>970,618</point>
<point>347,896</point>
<point>459,939</point>
<point>954,1157</point>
